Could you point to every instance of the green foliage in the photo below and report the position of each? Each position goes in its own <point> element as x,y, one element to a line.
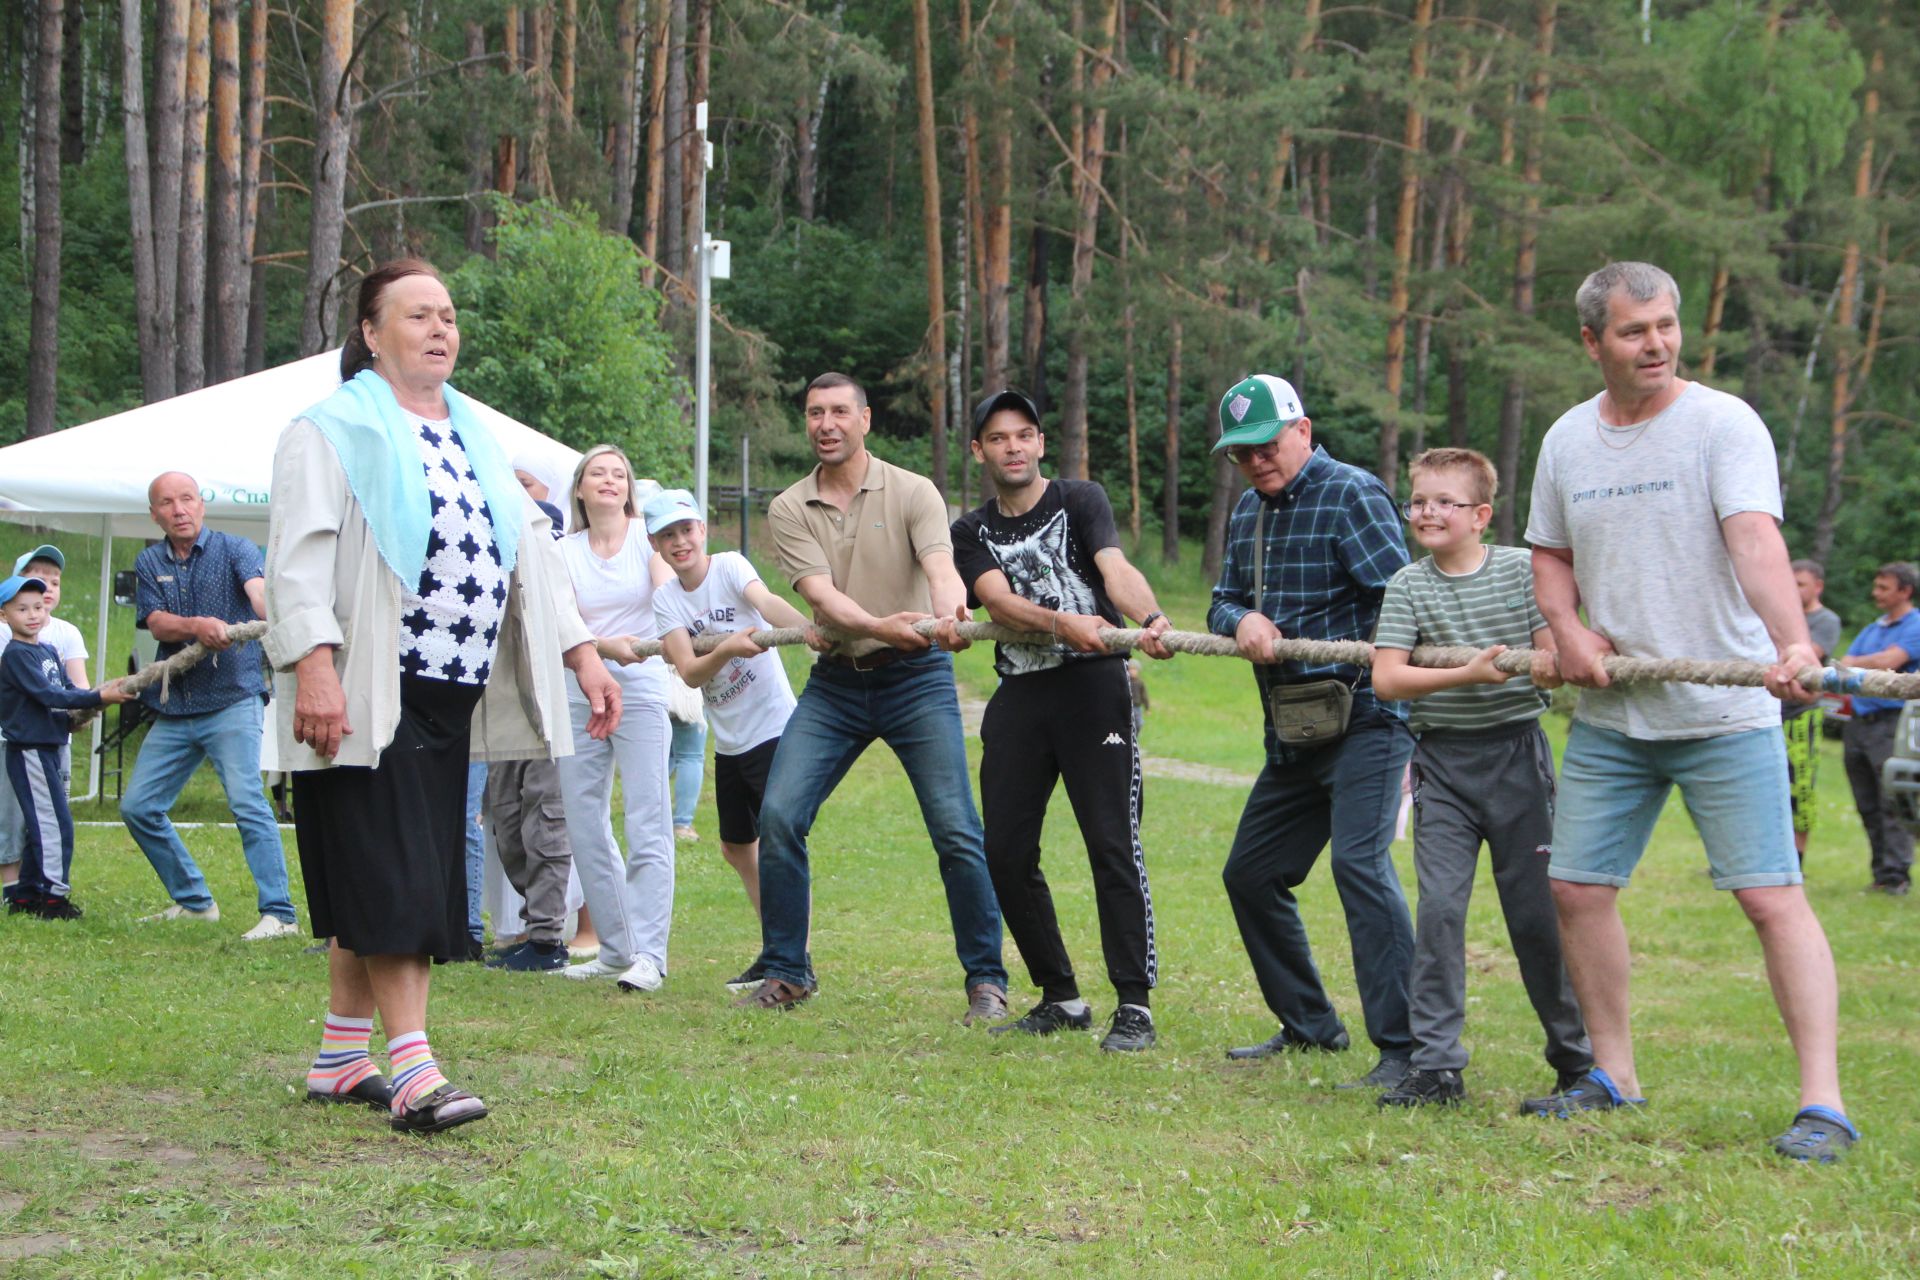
<point>559,332</point>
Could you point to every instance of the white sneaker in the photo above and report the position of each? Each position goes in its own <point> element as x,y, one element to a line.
<point>270,927</point>
<point>178,912</point>
<point>594,968</point>
<point>645,975</point>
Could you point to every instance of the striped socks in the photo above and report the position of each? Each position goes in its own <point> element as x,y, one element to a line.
<point>414,1072</point>
<point>342,1062</point>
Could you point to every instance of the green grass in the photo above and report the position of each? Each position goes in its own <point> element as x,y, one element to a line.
<point>153,1125</point>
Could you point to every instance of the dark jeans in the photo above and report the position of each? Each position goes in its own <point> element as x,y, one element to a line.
<point>1074,722</point>
<point>910,705</point>
<point>1868,743</point>
<point>1347,793</point>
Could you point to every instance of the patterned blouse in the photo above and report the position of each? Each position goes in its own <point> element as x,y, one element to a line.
<point>450,624</point>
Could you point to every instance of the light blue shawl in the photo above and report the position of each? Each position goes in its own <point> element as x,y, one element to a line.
<point>375,440</point>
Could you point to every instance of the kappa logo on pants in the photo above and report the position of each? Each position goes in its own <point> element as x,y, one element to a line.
<point>1114,740</point>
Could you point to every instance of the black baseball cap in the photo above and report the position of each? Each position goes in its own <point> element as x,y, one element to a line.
<point>1018,401</point>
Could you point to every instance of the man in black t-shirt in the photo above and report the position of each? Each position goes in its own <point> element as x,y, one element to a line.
<point>1045,556</point>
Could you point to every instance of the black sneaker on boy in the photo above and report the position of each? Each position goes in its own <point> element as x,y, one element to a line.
<point>1422,1087</point>
<point>1130,1031</point>
<point>1046,1018</point>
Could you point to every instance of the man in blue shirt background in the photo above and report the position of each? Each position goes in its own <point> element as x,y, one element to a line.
<point>191,586</point>
<point>1890,642</point>
<point>1321,539</point>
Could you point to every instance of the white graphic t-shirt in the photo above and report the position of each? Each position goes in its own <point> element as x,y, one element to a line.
<point>1640,507</point>
<point>749,701</point>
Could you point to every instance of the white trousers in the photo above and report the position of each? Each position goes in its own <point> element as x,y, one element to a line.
<point>630,895</point>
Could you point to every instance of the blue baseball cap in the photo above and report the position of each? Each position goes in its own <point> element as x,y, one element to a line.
<point>16,584</point>
<point>45,551</point>
<point>670,507</point>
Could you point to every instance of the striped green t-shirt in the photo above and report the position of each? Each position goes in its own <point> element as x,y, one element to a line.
<point>1492,605</point>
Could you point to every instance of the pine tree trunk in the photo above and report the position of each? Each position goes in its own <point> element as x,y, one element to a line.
<point>73,83</point>
<point>656,141</point>
<point>169,126</point>
<point>1513,401</point>
<point>1090,169</point>
<point>693,166</point>
<point>540,76</point>
<point>479,157</point>
<point>1170,493</point>
<point>327,221</point>
<point>1033,311</point>
<point>673,255</point>
<point>226,254</point>
<point>1283,152</point>
<point>997,248</point>
<point>1716,310</point>
<point>253,132</point>
<point>190,360</point>
<point>506,151</point>
<point>569,43</point>
<point>626,106</point>
<point>930,231</point>
<point>156,347</point>
<point>1847,320</point>
<point>43,342</point>
<point>1388,466</point>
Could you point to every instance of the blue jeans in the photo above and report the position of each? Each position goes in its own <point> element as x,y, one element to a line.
<point>1346,794</point>
<point>910,705</point>
<point>174,748</point>
<point>476,846</point>
<point>685,765</point>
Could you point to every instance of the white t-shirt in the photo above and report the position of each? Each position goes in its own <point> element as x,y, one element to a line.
<point>749,701</point>
<point>1641,511</point>
<point>615,598</point>
<point>61,634</point>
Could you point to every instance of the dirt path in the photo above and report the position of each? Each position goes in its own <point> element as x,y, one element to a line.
<point>972,710</point>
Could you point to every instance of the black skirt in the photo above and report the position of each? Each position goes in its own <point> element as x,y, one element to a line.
<point>384,850</point>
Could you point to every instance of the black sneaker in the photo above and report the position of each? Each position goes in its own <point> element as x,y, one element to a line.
<point>532,957</point>
<point>1044,1019</point>
<point>751,977</point>
<point>1816,1136</point>
<point>1285,1041</point>
<point>24,904</point>
<point>1130,1031</point>
<point>1386,1074</point>
<point>57,909</point>
<point>1594,1091</point>
<point>1420,1088</point>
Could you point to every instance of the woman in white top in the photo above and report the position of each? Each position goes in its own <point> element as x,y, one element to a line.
<point>614,571</point>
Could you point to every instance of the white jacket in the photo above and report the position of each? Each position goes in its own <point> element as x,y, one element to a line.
<point>326,584</point>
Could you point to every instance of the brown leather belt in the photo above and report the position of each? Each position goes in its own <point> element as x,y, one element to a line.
<point>866,661</point>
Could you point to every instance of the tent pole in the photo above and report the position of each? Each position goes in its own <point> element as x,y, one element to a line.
<point>100,654</point>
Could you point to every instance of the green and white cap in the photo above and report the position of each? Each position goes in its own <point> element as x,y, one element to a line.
<point>1255,408</point>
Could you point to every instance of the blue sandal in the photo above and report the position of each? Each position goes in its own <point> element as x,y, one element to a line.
<point>1818,1135</point>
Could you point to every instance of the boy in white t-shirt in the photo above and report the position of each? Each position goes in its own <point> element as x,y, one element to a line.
<point>45,562</point>
<point>748,698</point>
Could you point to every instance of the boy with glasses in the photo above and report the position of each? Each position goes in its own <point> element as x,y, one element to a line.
<point>1482,770</point>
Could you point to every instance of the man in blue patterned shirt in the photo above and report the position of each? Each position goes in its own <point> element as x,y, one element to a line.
<point>1321,539</point>
<point>191,585</point>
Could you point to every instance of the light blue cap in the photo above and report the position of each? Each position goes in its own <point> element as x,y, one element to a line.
<point>670,507</point>
<point>45,551</point>
<point>16,584</point>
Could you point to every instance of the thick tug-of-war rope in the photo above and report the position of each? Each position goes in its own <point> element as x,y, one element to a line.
<point>1872,684</point>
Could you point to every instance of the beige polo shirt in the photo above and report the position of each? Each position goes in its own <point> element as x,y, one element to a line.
<point>872,550</point>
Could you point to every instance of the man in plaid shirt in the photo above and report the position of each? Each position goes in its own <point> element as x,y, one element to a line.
<point>1331,541</point>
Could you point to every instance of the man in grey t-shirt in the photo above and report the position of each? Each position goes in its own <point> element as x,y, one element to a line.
<point>1656,507</point>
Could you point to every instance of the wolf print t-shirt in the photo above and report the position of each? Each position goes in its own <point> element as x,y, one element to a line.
<point>1047,556</point>
<point>1641,508</point>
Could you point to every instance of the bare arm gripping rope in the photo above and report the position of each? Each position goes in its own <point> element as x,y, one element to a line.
<point>1873,684</point>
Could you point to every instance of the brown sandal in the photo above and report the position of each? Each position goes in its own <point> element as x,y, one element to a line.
<point>440,1110</point>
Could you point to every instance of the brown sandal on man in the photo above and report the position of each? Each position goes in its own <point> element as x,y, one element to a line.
<point>440,1110</point>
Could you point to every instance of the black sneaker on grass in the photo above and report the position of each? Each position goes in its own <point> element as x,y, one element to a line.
<point>24,904</point>
<point>1044,1019</point>
<point>1817,1136</point>
<point>1130,1031</point>
<point>1421,1088</point>
<point>1594,1091</point>
<point>51,908</point>
<point>532,957</point>
<point>751,977</point>
<point>1386,1074</point>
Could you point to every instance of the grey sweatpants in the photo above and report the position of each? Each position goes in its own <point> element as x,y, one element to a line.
<point>530,834</point>
<point>1491,785</point>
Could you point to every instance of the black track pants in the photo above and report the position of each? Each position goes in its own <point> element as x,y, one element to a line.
<point>1074,722</point>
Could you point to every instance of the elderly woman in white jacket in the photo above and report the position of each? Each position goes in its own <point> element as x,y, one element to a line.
<point>419,615</point>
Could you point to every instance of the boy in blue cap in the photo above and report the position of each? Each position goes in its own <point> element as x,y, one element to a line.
<point>35,696</point>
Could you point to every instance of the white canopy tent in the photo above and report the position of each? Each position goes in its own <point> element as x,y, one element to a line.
<point>92,479</point>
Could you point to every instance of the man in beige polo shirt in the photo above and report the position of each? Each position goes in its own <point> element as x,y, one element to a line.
<point>867,544</point>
